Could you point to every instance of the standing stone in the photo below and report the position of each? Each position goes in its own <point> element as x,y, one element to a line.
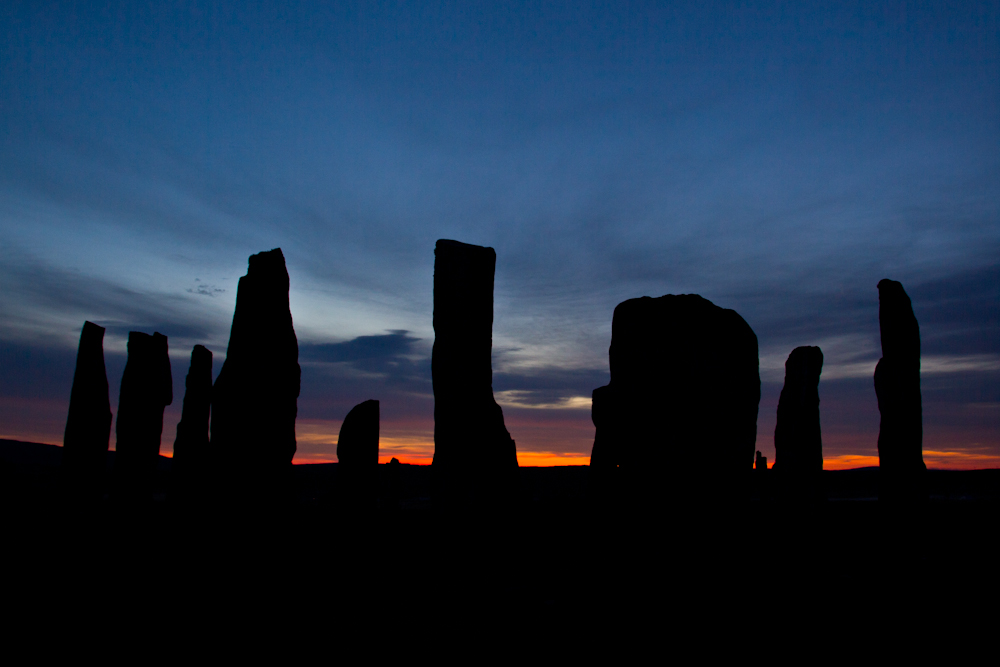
<point>603,484</point>
<point>189,467</point>
<point>146,389</point>
<point>392,487</point>
<point>897,386</point>
<point>88,424</point>
<point>474,455</point>
<point>761,477</point>
<point>798,445</point>
<point>684,386</point>
<point>357,457</point>
<point>797,441</point>
<point>255,398</point>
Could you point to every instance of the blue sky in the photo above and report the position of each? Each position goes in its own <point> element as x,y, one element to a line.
<point>777,158</point>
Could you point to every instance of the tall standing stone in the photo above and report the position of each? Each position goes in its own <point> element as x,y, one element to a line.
<point>685,386</point>
<point>357,458</point>
<point>255,398</point>
<point>189,467</point>
<point>474,455</point>
<point>897,386</point>
<point>88,424</point>
<point>146,389</point>
<point>798,444</point>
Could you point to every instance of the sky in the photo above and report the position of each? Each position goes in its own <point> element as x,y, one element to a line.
<point>776,158</point>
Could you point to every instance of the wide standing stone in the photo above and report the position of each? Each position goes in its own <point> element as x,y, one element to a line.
<point>897,386</point>
<point>357,458</point>
<point>685,386</point>
<point>146,389</point>
<point>474,455</point>
<point>88,424</point>
<point>190,463</point>
<point>255,398</point>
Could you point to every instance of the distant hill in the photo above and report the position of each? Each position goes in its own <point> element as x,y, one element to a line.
<point>33,467</point>
<point>38,455</point>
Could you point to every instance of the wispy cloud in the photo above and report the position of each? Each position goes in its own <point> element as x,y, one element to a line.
<point>941,364</point>
<point>515,398</point>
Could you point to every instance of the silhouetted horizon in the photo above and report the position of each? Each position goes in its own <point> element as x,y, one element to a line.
<point>779,164</point>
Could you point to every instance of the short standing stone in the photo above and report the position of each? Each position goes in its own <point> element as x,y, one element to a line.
<point>357,456</point>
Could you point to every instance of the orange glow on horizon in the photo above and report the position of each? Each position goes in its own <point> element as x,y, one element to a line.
<point>849,461</point>
<point>972,459</point>
<point>531,459</point>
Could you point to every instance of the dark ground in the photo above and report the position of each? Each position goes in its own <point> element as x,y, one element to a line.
<point>550,556</point>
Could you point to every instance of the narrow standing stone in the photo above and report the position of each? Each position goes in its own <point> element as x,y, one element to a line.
<point>897,386</point>
<point>146,389</point>
<point>798,444</point>
<point>474,455</point>
<point>190,463</point>
<point>88,424</point>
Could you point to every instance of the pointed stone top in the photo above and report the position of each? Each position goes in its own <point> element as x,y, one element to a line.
<point>91,334</point>
<point>897,323</point>
<point>201,353</point>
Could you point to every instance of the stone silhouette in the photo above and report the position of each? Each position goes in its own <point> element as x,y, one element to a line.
<point>474,455</point>
<point>255,398</point>
<point>603,487</point>
<point>392,487</point>
<point>357,456</point>
<point>798,444</point>
<point>897,386</point>
<point>762,478</point>
<point>146,389</point>
<point>684,383</point>
<point>797,440</point>
<point>88,424</point>
<point>190,463</point>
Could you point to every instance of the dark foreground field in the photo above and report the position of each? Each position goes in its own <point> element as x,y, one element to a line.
<point>550,557</point>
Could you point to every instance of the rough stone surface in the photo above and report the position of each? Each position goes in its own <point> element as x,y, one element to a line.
<point>798,444</point>
<point>684,385</point>
<point>191,447</point>
<point>88,424</point>
<point>474,455</point>
<point>357,456</point>
<point>897,386</point>
<point>255,398</point>
<point>146,389</point>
